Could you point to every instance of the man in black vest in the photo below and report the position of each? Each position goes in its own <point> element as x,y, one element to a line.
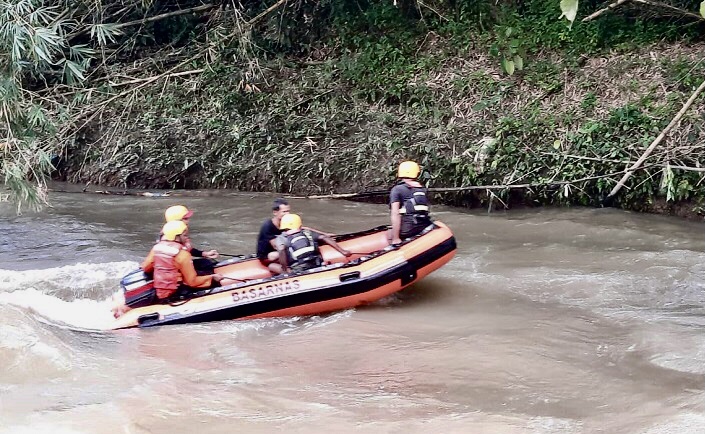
<point>409,207</point>
<point>298,247</point>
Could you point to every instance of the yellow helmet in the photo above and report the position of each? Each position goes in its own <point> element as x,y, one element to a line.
<point>290,221</point>
<point>172,229</point>
<point>408,169</point>
<point>177,212</point>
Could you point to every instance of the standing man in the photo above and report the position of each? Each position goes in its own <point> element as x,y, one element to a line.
<point>266,249</point>
<point>409,206</point>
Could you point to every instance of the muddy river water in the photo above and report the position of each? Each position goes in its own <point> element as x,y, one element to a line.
<point>546,321</point>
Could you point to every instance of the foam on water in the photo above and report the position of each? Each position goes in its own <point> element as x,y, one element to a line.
<point>684,423</point>
<point>28,291</point>
<point>83,313</point>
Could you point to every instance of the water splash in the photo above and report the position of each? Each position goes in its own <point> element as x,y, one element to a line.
<point>74,296</point>
<point>81,314</point>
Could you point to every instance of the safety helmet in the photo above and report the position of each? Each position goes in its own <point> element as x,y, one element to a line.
<point>290,221</point>
<point>172,229</point>
<point>408,169</point>
<point>177,212</point>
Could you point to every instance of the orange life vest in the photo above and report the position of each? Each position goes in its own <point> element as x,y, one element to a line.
<point>167,276</point>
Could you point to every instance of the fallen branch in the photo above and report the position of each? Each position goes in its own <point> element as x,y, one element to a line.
<point>688,168</point>
<point>432,10</point>
<point>653,3</point>
<point>596,14</point>
<point>458,189</point>
<point>152,194</point>
<point>115,192</point>
<point>671,8</point>
<point>201,8</point>
<point>307,100</point>
<point>656,142</point>
<point>175,74</point>
<point>582,157</point>
<point>266,12</point>
<point>343,195</point>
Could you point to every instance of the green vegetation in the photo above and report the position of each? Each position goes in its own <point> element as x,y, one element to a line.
<point>329,97</point>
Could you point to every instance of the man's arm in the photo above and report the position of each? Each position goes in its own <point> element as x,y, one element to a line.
<point>148,263</point>
<point>396,222</point>
<point>283,258</point>
<point>188,273</point>
<point>328,240</point>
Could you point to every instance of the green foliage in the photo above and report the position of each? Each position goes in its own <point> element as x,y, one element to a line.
<point>509,48</point>
<point>686,73</point>
<point>348,89</point>
<point>33,35</point>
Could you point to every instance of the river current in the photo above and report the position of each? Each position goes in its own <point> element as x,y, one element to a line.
<point>546,321</point>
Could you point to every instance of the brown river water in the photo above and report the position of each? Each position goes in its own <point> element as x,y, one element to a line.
<point>546,321</point>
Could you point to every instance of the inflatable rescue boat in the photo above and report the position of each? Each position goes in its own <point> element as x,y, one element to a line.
<point>375,270</point>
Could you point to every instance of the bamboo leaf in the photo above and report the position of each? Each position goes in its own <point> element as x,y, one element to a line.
<point>702,9</point>
<point>76,70</point>
<point>81,51</point>
<point>39,51</point>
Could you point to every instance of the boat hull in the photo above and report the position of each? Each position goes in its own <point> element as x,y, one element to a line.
<point>342,284</point>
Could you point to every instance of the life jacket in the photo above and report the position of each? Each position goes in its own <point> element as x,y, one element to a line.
<point>417,204</point>
<point>303,250</point>
<point>167,276</point>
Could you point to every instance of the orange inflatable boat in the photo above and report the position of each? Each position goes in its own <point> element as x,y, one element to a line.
<point>376,270</point>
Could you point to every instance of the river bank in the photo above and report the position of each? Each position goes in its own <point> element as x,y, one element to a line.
<point>507,97</point>
<point>308,132</point>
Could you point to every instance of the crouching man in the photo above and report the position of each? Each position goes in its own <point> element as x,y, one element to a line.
<point>298,248</point>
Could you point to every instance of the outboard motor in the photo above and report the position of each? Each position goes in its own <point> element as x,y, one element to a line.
<point>138,288</point>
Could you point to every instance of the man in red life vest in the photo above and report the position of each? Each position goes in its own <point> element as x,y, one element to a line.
<point>171,263</point>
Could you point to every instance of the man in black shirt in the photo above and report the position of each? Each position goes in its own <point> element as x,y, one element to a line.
<point>266,251</point>
<point>408,204</point>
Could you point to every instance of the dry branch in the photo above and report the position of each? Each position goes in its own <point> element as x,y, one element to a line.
<point>596,14</point>
<point>201,8</point>
<point>671,8</point>
<point>656,141</point>
<point>459,189</point>
<point>175,74</point>
<point>99,107</point>
<point>268,11</point>
<point>688,168</point>
<point>653,3</point>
